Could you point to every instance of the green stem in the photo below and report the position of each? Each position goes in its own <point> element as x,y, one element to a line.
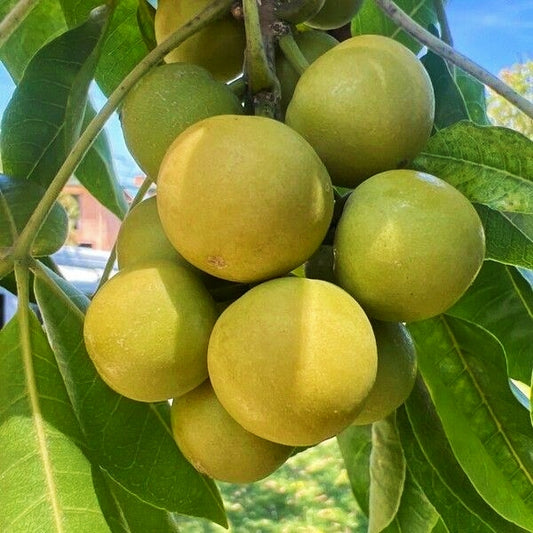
<point>13,19</point>
<point>143,189</point>
<point>292,53</point>
<point>403,20</point>
<point>86,139</point>
<point>446,34</point>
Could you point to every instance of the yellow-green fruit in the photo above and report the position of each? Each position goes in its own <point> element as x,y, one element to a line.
<point>216,445</point>
<point>365,106</point>
<point>334,14</point>
<point>244,198</point>
<point>297,11</point>
<point>407,245</point>
<point>396,372</point>
<point>164,103</point>
<point>312,44</point>
<point>219,47</point>
<point>147,330</point>
<point>292,360</point>
<point>141,237</point>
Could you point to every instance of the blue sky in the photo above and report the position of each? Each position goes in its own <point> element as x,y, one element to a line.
<point>494,33</point>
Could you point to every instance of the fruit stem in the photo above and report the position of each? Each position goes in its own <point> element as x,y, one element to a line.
<point>402,19</point>
<point>86,139</point>
<point>292,52</point>
<point>14,18</point>
<point>263,85</point>
<point>446,34</point>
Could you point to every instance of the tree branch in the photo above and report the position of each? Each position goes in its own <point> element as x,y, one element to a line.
<point>403,20</point>
<point>13,19</point>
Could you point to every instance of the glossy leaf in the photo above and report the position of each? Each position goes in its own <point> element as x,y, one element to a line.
<point>127,513</point>
<point>130,440</point>
<point>450,106</point>
<point>43,118</point>
<point>124,45</point>
<point>490,165</point>
<point>505,242</point>
<point>44,23</point>
<point>370,19</point>
<point>489,432</point>
<point>501,301</point>
<point>18,199</point>
<point>431,461</point>
<point>473,93</point>
<point>145,20</point>
<point>45,477</point>
<point>387,474</point>
<point>355,444</point>
<point>415,513</point>
<point>97,173</point>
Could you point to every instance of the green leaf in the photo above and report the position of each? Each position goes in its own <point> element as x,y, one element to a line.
<point>124,45</point>
<point>145,20</point>
<point>43,23</point>
<point>45,477</point>
<point>370,19</point>
<point>501,301</point>
<point>473,92</point>
<point>97,174</point>
<point>434,466</point>
<point>523,222</point>
<point>355,444</point>
<point>125,512</point>
<point>132,441</point>
<point>505,242</point>
<point>18,200</point>
<point>450,106</point>
<point>43,118</point>
<point>415,513</point>
<point>464,368</point>
<point>387,474</point>
<point>490,165</point>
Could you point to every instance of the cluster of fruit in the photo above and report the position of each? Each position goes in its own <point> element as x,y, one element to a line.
<point>210,307</point>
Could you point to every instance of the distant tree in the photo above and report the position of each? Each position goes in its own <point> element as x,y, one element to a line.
<point>500,111</point>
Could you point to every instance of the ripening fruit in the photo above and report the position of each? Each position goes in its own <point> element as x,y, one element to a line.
<point>141,237</point>
<point>216,445</point>
<point>312,44</point>
<point>244,198</point>
<point>396,372</point>
<point>219,47</point>
<point>147,329</point>
<point>334,14</point>
<point>292,360</point>
<point>297,11</point>
<point>164,103</point>
<point>365,106</point>
<point>407,245</point>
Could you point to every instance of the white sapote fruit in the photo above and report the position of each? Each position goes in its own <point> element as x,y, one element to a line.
<point>366,106</point>
<point>147,330</point>
<point>395,379</point>
<point>216,445</point>
<point>407,245</point>
<point>292,360</point>
<point>244,198</point>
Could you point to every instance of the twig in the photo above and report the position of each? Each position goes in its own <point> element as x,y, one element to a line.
<point>447,52</point>
<point>13,19</point>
